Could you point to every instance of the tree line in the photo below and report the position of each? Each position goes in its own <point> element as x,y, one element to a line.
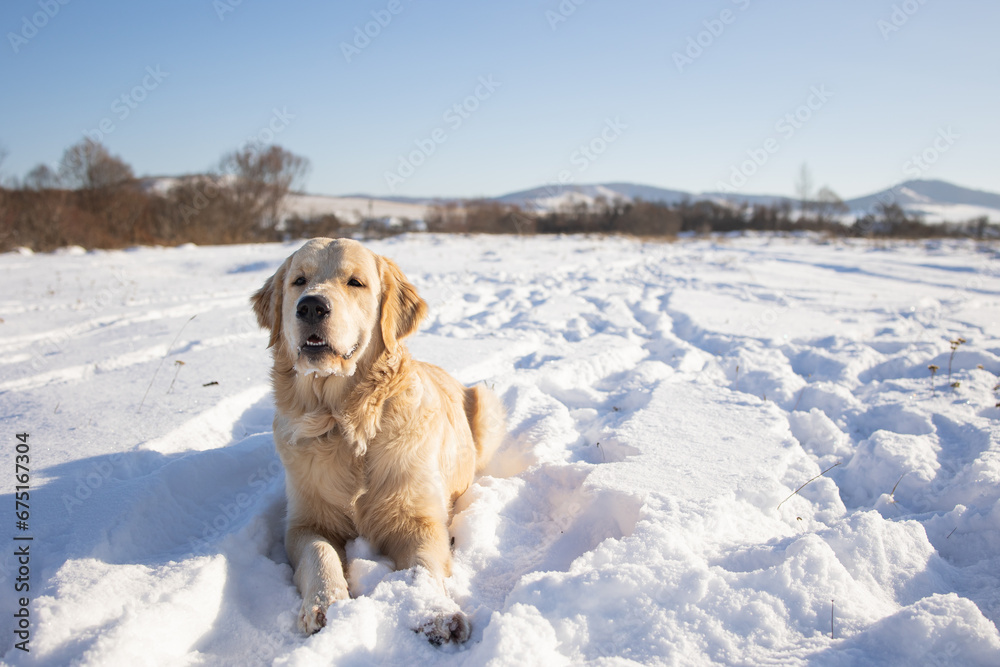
<point>658,219</point>
<point>93,199</point>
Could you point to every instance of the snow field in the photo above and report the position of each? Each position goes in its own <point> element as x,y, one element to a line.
<point>664,400</point>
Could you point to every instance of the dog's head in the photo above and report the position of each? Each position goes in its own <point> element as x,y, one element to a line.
<point>332,302</point>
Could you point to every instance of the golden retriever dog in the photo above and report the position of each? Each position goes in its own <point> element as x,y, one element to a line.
<point>374,443</point>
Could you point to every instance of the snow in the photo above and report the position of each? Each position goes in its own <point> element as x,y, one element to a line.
<point>935,213</point>
<point>667,405</point>
<point>565,197</point>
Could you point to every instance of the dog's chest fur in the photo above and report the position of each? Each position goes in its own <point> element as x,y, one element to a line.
<point>327,472</point>
<point>333,482</point>
<point>348,488</point>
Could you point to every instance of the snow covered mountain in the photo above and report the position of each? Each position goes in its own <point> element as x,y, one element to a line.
<point>935,201</point>
<point>555,196</point>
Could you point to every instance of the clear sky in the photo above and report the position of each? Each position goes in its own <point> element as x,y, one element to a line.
<point>674,94</point>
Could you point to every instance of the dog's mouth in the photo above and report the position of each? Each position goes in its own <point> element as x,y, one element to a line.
<point>316,345</point>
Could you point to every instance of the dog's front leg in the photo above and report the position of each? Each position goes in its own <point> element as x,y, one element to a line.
<point>423,544</point>
<point>318,564</point>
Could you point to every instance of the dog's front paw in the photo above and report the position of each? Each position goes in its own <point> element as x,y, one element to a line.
<point>312,616</point>
<point>446,628</point>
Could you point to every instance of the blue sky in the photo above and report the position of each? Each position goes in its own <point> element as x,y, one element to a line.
<point>687,95</point>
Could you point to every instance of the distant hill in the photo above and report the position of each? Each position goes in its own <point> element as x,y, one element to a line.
<point>935,201</point>
<point>551,196</point>
<point>420,201</point>
<point>931,192</point>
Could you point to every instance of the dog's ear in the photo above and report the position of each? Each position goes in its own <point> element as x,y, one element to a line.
<point>267,303</point>
<point>402,307</point>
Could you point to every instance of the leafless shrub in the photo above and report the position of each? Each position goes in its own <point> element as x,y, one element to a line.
<point>256,183</point>
<point>328,226</point>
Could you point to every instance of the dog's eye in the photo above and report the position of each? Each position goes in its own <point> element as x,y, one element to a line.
<point>354,282</point>
<point>301,280</point>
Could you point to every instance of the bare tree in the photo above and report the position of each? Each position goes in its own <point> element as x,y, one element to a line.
<point>104,193</point>
<point>41,178</point>
<point>12,182</point>
<point>33,211</point>
<point>804,187</point>
<point>644,218</point>
<point>254,183</point>
<point>6,225</point>
<point>828,204</point>
<point>89,166</point>
<point>447,217</point>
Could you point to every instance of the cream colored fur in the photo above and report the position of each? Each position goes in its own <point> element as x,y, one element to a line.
<point>374,443</point>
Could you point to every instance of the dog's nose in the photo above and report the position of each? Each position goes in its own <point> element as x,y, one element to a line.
<point>312,309</point>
